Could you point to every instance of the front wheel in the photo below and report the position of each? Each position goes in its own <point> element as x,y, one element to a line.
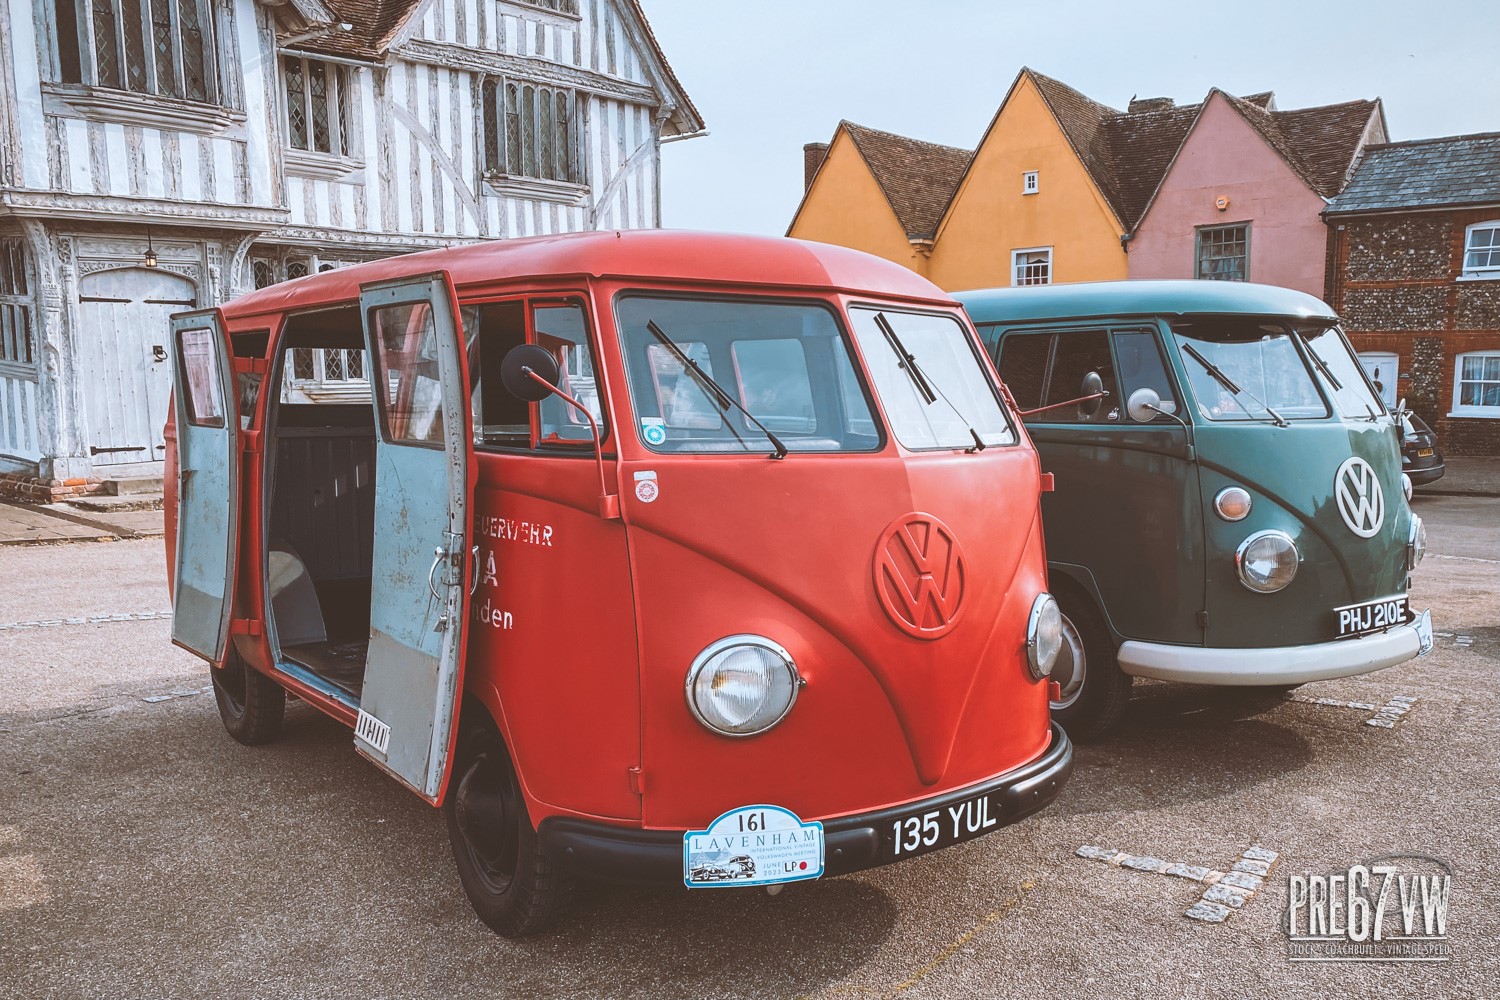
<point>513,886</point>
<point>251,705</point>
<point>1093,689</point>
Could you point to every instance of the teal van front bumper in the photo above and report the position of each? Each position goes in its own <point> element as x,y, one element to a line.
<point>1278,664</point>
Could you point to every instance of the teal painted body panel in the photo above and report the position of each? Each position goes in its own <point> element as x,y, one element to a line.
<point>208,489</point>
<point>1119,299</point>
<point>1290,475</point>
<point>1133,513</point>
<point>419,580</point>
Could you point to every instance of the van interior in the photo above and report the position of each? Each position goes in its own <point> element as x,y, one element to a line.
<point>320,498</point>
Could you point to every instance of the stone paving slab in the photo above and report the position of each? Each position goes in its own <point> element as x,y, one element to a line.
<point>31,525</point>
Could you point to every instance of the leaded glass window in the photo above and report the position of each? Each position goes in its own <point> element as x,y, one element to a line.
<point>163,48</point>
<point>530,131</point>
<point>317,105</point>
<point>15,304</point>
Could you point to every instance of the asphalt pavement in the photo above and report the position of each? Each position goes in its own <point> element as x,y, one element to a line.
<point>143,853</point>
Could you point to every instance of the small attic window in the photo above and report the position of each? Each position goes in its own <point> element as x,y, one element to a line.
<point>1029,182</point>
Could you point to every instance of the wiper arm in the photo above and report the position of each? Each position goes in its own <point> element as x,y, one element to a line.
<point>1333,379</point>
<point>1229,384</point>
<point>715,391</point>
<point>907,362</point>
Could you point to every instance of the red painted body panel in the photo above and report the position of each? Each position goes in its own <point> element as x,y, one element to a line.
<point>587,682</point>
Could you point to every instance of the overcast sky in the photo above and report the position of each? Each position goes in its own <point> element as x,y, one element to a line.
<point>771,75</point>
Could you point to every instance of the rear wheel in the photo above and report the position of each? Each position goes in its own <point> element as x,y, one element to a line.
<point>1094,691</point>
<point>251,705</point>
<point>513,886</point>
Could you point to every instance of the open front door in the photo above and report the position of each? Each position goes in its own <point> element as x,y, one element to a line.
<point>208,483</point>
<point>424,462</point>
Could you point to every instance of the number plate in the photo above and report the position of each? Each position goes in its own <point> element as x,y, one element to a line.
<point>1424,452</point>
<point>931,829</point>
<point>1371,616</point>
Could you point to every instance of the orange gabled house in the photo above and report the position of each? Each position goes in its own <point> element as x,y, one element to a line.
<point>878,192</point>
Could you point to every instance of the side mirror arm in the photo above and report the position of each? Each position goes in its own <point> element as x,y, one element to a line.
<point>609,503</point>
<point>1067,402</point>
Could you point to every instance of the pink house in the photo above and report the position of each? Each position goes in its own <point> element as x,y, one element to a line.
<point>1243,197</point>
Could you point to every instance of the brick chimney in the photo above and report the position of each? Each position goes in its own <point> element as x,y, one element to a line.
<point>813,155</point>
<point>1138,105</point>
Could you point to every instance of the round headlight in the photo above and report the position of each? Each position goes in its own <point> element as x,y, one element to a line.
<point>1044,636</point>
<point>1406,486</point>
<point>742,685</point>
<point>1233,503</point>
<point>1417,546</point>
<point>1267,561</point>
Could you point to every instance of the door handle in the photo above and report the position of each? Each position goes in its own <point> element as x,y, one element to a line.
<point>439,554</point>
<point>474,574</point>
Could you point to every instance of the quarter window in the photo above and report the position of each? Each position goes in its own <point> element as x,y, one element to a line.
<point>530,131</point>
<point>160,47</point>
<point>1031,267</point>
<point>15,305</point>
<point>1224,253</point>
<point>502,420</point>
<point>1476,385</point>
<point>1482,251</point>
<point>317,105</point>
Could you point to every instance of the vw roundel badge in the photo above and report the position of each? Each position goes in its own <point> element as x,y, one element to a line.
<point>920,575</point>
<point>1360,500</point>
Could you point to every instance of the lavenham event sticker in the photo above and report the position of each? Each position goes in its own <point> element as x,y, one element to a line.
<point>754,845</point>
<point>646,489</point>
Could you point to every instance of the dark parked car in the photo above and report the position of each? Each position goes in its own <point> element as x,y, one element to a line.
<point>1420,458</point>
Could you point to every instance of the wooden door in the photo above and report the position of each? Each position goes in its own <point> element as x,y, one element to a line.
<point>123,367</point>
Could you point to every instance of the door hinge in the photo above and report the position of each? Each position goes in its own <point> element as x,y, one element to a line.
<point>246,626</point>
<point>1048,483</point>
<point>637,780</point>
<point>252,366</point>
<point>1203,619</point>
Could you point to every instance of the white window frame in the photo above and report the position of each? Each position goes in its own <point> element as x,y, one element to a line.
<point>1030,182</point>
<point>1490,272</point>
<point>1015,265</point>
<point>1460,409</point>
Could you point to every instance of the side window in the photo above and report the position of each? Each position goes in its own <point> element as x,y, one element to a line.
<point>410,387</point>
<point>1141,367</point>
<point>502,420</point>
<point>1077,354</point>
<point>1023,367</point>
<point>200,368</point>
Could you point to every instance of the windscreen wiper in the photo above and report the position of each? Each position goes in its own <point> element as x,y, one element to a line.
<point>1328,372</point>
<point>714,390</point>
<point>907,362</point>
<point>1229,384</point>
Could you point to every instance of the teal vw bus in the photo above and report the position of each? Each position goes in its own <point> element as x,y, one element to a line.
<point>1229,506</point>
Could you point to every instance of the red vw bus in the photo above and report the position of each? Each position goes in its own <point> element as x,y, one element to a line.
<point>656,557</point>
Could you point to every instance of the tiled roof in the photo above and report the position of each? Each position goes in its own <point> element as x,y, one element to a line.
<point>918,178</point>
<point>1128,154</point>
<point>1425,173</point>
<point>1319,143</point>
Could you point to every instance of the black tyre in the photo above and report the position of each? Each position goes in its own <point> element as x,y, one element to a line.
<point>513,886</point>
<point>1094,691</point>
<point>250,703</point>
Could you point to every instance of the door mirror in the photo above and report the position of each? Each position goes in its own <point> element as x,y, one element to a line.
<point>520,359</point>
<point>1092,385</point>
<point>1143,405</point>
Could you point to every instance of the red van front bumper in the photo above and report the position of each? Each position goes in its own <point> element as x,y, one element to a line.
<point>851,843</point>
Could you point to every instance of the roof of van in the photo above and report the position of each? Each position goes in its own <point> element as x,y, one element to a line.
<point>647,254</point>
<point>1138,298</point>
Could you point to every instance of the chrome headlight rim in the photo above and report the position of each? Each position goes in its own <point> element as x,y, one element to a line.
<point>1225,492</point>
<point>713,649</point>
<point>1239,559</point>
<point>1040,670</point>
<point>1416,543</point>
